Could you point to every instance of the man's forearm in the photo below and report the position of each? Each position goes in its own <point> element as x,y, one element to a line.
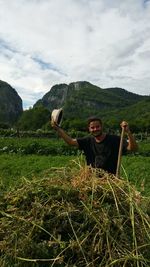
<point>66,137</point>
<point>132,145</point>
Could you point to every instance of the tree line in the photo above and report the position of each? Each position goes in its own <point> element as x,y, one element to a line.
<point>39,117</point>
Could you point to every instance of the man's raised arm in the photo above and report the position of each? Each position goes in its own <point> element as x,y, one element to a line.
<point>64,135</point>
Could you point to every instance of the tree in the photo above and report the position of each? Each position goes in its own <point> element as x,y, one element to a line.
<point>33,118</point>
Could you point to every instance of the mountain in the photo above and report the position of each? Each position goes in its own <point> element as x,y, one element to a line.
<point>10,104</point>
<point>82,99</point>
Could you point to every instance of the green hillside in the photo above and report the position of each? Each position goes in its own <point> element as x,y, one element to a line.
<point>91,99</point>
<point>137,114</point>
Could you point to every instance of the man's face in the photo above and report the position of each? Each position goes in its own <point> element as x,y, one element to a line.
<point>95,128</point>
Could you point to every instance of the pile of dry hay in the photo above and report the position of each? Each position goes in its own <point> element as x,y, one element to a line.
<point>74,218</point>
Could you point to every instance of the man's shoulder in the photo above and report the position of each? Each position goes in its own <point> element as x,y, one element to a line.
<point>87,137</point>
<point>83,141</point>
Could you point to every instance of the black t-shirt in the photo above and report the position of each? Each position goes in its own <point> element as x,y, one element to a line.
<point>102,155</point>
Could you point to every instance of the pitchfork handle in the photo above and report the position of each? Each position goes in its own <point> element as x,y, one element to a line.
<point>120,153</point>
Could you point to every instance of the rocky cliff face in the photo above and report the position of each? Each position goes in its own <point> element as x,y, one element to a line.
<point>55,98</point>
<point>59,95</point>
<point>10,104</point>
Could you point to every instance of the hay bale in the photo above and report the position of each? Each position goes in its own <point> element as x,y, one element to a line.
<point>74,219</point>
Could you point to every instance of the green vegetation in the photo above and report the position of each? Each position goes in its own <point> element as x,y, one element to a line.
<point>39,146</point>
<point>14,167</point>
<point>136,169</point>
<point>34,118</point>
<point>137,115</point>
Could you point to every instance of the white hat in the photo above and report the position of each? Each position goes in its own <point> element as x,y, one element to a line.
<point>56,116</point>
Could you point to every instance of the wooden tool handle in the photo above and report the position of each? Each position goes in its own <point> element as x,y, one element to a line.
<point>120,153</point>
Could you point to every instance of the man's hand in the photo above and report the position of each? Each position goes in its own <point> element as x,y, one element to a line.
<point>132,145</point>
<point>54,124</point>
<point>124,125</point>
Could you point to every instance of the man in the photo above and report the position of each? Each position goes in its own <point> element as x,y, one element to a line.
<point>100,149</point>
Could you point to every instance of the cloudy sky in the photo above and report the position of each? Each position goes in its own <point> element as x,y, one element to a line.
<point>47,42</point>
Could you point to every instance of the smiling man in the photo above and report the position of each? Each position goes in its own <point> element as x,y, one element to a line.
<point>100,149</point>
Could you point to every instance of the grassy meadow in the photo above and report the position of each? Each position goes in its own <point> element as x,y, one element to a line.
<point>14,167</point>
<point>32,157</point>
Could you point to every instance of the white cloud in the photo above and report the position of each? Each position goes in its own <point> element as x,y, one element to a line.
<point>44,42</point>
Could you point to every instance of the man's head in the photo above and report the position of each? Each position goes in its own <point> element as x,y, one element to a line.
<point>95,126</point>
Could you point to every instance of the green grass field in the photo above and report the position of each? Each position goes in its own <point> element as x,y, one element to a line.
<point>135,168</point>
<point>14,167</point>
<point>30,157</point>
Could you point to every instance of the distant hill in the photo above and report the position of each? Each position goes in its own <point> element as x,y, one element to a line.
<point>10,104</point>
<point>83,99</point>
